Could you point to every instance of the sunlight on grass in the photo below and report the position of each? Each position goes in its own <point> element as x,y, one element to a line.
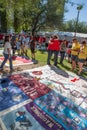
<point>42,59</point>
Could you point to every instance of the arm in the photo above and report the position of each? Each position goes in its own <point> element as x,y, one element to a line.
<point>9,52</point>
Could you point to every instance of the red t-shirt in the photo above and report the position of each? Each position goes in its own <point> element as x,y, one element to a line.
<point>69,51</point>
<point>41,40</point>
<point>1,36</point>
<point>54,45</point>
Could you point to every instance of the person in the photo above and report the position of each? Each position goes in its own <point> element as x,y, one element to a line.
<point>69,53</point>
<point>62,51</point>
<point>47,42</point>
<point>40,40</point>
<point>74,52</point>
<point>23,41</point>
<point>18,44</point>
<point>32,47</point>
<point>82,56</point>
<point>53,48</point>
<point>7,53</point>
<point>13,44</point>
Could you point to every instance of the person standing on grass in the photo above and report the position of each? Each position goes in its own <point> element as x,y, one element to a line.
<point>53,48</point>
<point>13,43</point>
<point>7,53</point>
<point>62,51</point>
<point>18,44</point>
<point>74,53</point>
<point>23,41</point>
<point>69,54</point>
<point>32,47</point>
<point>82,56</point>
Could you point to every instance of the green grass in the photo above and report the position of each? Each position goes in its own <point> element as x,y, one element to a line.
<point>67,67</point>
<point>42,59</point>
<point>41,56</point>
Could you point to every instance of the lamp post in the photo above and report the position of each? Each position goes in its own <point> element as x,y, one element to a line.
<point>78,8</point>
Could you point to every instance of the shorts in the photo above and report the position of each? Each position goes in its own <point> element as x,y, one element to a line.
<point>74,57</point>
<point>32,50</point>
<point>69,55</point>
<point>81,60</point>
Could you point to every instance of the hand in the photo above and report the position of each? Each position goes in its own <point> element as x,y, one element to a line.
<point>51,43</point>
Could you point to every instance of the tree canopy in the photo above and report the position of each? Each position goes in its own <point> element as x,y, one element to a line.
<point>33,14</point>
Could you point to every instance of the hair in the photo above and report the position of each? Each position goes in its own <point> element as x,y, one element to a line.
<point>6,39</point>
<point>64,40</point>
<point>74,39</point>
<point>55,37</point>
<point>83,42</point>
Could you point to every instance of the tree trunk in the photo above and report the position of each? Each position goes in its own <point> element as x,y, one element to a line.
<point>16,21</point>
<point>3,22</point>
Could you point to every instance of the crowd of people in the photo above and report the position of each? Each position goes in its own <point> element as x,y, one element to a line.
<point>75,51</point>
<point>17,43</point>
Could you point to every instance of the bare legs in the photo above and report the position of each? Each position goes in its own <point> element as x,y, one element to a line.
<point>73,65</point>
<point>80,67</point>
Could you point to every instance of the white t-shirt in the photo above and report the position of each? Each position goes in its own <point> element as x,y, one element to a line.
<point>25,42</point>
<point>7,45</point>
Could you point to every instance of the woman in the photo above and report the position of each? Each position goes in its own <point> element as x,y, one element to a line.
<point>7,53</point>
<point>62,51</point>
<point>53,48</point>
<point>74,53</point>
<point>82,56</point>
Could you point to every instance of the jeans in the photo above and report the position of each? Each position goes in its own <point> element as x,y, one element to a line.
<point>6,57</point>
<point>50,52</point>
<point>62,55</point>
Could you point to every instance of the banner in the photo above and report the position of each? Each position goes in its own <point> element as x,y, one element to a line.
<point>19,119</point>
<point>63,111</point>
<point>44,98</point>
<point>30,86</point>
<point>16,60</point>
<point>44,119</point>
<point>10,94</point>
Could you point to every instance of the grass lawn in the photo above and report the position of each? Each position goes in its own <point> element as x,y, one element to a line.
<point>42,59</point>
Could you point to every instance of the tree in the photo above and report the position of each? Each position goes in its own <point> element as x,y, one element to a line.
<point>55,13</point>
<point>3,17</point>
<point>77,20</point>
<point>70,26</point>
<point>33,14</point>
<point>3,22</point>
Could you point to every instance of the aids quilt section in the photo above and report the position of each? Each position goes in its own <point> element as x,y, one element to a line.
<point>18,60</point>
<point>44,98</point>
